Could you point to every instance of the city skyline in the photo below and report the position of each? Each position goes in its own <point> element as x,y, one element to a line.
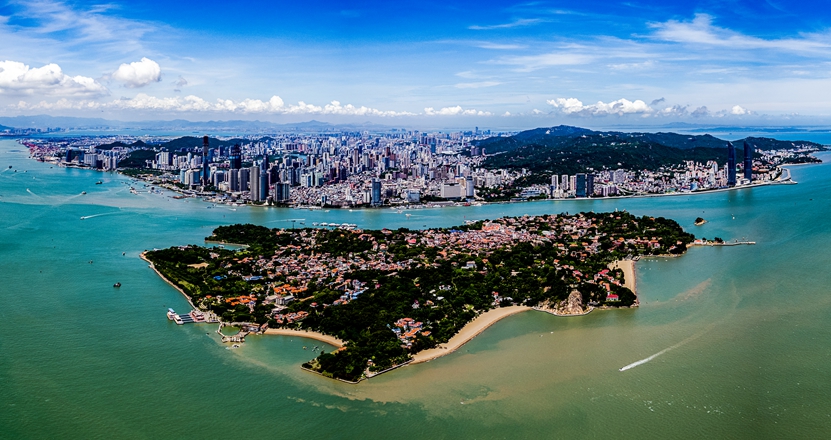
<point>511,65</point>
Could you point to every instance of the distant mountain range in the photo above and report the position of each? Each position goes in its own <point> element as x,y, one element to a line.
<point>570,150</point>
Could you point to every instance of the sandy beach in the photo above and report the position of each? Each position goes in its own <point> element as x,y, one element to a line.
<point>468,332</point>
<point>628,268</point>
<point>331,340</point>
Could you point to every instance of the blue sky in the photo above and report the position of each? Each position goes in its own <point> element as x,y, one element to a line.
<point>506,64</point>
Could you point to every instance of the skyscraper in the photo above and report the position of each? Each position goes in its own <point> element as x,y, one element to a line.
<point>255,184</point>
<point>205,170</point>
<point>590,185</point>
<point>731,164</point>
<point>376,192</point>
<point>235,157</point>
<point>580,189</point>
<point>281,191</point>
<point>748,161</point>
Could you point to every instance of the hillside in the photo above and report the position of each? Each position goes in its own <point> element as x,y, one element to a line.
<point>570,150</point>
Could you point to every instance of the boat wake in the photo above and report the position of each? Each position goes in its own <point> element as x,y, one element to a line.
<point>97,215</point>
<point>685,341</point>
<point>30,192</point>
<point>643,361</point>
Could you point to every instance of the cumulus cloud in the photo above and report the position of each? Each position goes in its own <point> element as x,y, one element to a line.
<point>455,111</point>
<point>139,73</point>
<point>700,112</point>
<point>573,106</point>
<point>19,78</point>
<point>675,110</point>
<point>657,101</point>
<point>192,103</point>
<point>739,111</point>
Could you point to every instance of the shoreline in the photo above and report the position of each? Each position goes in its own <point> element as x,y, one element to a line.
<point>331,340</point>
<point>468,332</point>
<point>629,278</point>
<point>153,266</point>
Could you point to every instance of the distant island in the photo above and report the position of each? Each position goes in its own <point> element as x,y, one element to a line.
<point>387,297</point>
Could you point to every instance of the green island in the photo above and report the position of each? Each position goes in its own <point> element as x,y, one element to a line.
<point>390,294</point>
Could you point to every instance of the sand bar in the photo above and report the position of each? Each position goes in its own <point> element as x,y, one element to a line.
<point>331,340</point>
<point>468,332</point>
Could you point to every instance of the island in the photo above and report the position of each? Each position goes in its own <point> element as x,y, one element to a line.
<point>387,296</point>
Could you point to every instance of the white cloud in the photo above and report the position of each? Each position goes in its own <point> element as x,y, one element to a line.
<point>192,103</point>
<point>477,85</point>
<point>139,73</point>
<point>527,63</point>
<point>739,111</point>
<point>19,78</point>
<point>516,23</point>
<point>455,111</point>
<point>573,106</point>
<point>500,46</point>
<point>701,31</point>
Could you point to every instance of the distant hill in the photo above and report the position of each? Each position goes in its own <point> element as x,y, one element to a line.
<point>138,158</point>
<point>136,144</point>
<point>571,150</point>
<point>189,142</point>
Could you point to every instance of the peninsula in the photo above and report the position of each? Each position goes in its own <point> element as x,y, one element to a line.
<point>388,297</point>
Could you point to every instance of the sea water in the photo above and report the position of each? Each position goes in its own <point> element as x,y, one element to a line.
<point>729,342</point>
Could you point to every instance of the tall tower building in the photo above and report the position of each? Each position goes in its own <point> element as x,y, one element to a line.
<point>748,161</point>
<point>376,192</point>
<point>255,184</point>
<point>205,169</point>
<point>580,187</point>
<point>235,157</point>
<point>731,164</point>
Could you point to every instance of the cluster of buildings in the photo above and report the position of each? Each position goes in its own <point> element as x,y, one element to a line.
<point>296,271</point>
<point>362,169</point>
<point>407,329</point>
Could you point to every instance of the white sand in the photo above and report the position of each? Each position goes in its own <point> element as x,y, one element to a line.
<point>468,332</point>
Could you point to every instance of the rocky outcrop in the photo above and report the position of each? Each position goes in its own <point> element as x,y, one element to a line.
<point>573,305</point>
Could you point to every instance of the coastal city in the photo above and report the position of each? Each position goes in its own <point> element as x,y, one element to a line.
<point>397,168</point>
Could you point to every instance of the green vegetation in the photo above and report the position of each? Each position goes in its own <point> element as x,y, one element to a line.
<point>357,284</point>
<point>571,150</point>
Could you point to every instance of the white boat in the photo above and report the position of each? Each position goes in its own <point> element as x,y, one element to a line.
<point>170,314</point>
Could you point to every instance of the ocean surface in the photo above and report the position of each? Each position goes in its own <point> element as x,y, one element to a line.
<point>731,342</point>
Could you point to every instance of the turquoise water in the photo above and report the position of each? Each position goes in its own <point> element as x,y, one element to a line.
<point>741,334</point>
